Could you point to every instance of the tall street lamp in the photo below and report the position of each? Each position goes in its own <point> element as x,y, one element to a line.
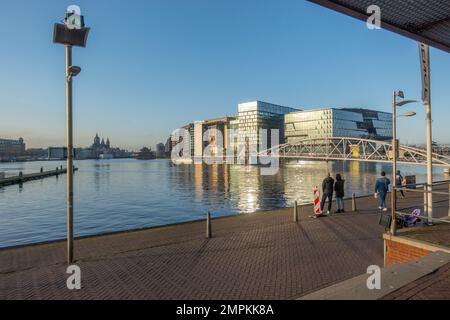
<point>424,51</point>
<point>395,105</point>
<point>71,33</point>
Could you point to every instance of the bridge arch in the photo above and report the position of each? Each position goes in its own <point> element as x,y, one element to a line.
<point>353,149</point>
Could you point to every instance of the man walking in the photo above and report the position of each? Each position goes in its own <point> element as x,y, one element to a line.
<point>381,190</point>
<point>327,189</point>
<point>399,182</point>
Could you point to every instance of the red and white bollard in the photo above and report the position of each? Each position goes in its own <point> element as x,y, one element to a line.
<point>317,210</point>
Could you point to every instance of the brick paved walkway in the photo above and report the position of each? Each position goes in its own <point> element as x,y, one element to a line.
<point>255,256</point>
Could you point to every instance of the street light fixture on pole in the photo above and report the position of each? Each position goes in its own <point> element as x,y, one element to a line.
<point>71,33</point>
<point>395,105</point>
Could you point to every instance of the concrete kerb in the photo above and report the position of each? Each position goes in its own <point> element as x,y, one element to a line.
<point>392,279</point>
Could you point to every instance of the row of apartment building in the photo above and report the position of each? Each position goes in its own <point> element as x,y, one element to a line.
<point>293,125</point>
<point>11,149</point>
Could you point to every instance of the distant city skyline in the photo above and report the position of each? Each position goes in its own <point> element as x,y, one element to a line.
<point>170,63</point>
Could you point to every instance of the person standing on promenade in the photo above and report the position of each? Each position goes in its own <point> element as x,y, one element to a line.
<point>381,190</point>
<point>339,189</point>
<point>327,188</point>
<point>399,182</point>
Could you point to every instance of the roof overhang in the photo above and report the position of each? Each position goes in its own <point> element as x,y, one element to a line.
<point>426,21</point>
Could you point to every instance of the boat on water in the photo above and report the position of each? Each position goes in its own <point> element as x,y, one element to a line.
<point>145,154</point>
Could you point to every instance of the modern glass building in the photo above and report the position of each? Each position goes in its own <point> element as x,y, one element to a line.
<point>257,115</point>
<point>378,124</point>
<point>331,122</point>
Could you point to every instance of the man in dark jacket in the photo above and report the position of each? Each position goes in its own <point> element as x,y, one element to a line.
<point>327,188</point>
<point>381,190</point>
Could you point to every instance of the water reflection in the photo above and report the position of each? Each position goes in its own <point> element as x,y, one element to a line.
<point>115,195</point>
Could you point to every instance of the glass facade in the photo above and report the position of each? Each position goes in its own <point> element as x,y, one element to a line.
<point>234,126</point>
<point>327,123</point>
<point>378,124</point>
<point>257,115</point>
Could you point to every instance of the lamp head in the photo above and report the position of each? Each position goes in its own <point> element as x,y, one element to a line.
<point>73,32</point>
<point>409,114</point>
<point>74,71</point>
<point>405,102</point>
<point>400,94</point>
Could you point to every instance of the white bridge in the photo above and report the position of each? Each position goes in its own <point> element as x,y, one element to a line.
<point>353,149</point>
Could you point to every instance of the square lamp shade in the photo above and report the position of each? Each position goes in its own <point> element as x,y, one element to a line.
<point>73,37</point>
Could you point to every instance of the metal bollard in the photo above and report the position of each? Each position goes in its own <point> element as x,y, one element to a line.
<point>354,202</point>
<point>208,226</point>
<point>295,212</point>
<point>425,200</point>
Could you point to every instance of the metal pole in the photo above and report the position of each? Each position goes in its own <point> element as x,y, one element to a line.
<point>425,200</point>
<point>429,165</point>
<point>208,226</point>
<point>295,211</point>
<point>394,163</point>
<point>69,156</point>
<point>449,199</point>
<point>426,97</point>
<point>354,209</point>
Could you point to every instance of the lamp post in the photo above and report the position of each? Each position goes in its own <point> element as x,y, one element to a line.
<point>71,33</point>
<point>395,104</point>
<point>424,51</point>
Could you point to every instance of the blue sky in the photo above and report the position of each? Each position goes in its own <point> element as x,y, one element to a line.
<point>154,65</point>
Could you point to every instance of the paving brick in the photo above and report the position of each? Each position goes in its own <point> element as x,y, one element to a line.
<point>253,256</point>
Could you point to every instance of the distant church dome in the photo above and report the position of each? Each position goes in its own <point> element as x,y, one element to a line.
<point>96,139</point>
<point>101,145</point>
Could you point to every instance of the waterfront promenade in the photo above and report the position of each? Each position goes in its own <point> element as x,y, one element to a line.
<point>254,256</point>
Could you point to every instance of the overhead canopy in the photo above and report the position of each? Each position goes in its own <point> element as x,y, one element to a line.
<point>426,21</point>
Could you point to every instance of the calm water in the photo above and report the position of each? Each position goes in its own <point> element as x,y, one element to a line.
<point>112,195</point>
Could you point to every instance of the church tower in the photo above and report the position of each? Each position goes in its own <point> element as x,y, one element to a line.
<point>108,144</point>
<point>96,140</point>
